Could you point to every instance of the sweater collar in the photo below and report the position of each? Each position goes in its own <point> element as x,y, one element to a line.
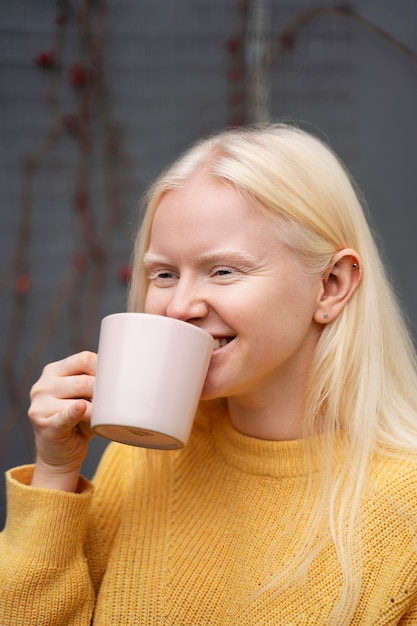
<point>276,459</point>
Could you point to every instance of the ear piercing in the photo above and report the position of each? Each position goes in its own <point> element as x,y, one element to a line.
<point>354,267</point>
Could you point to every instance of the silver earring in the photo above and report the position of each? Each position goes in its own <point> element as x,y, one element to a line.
<point>326,316</point>
<point>355,266</point>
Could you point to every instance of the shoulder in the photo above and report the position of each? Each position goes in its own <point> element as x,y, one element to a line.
<point>393,485</point>
<point>389,524</point>
<point>390,469</point>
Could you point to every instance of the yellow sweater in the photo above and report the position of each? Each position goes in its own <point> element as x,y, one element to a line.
<point>184,538</point>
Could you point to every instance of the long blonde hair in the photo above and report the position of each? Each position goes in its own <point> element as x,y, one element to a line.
<point>363,379</point>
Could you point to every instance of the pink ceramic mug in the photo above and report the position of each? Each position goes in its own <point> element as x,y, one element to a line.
<point>150,374</point>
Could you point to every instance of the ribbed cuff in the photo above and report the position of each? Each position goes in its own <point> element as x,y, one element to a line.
<point>45,525</point>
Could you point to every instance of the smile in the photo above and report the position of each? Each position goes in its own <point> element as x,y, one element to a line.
<point>220,343</point>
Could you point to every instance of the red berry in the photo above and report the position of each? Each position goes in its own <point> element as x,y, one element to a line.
<point>46,59</point>
<point>287,40</point>
<point>125,274</point>
<point>233,44</point>
<point>78,75</point>
<point>23,283</point>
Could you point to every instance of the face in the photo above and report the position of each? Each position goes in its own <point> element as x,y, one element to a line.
<point>217,262</point>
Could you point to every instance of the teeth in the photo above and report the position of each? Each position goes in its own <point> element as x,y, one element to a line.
<point>220,343</point>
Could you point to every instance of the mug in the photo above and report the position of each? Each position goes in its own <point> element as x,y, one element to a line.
<point>150,373</point>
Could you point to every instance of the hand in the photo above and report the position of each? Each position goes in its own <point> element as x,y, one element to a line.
<point>60,412</point>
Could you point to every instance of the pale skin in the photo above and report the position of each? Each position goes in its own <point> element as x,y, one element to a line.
<point>228,272</point>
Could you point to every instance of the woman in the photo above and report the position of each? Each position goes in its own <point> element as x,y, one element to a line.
<point>295,500</point>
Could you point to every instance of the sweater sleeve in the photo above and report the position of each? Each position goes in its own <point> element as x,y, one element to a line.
<point>44,577</point>
<point>55,546</point>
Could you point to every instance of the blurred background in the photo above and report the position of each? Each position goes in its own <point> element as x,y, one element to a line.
<point>97,96</point>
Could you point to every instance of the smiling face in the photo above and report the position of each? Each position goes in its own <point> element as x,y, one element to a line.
<point>217,262</point>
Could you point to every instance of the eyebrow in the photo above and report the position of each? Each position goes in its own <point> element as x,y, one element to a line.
<point>214,256</point>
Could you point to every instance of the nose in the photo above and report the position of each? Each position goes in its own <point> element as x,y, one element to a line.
<point>187,301</point>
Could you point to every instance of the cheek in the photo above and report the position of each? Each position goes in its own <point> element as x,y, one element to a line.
<point>154,302</point>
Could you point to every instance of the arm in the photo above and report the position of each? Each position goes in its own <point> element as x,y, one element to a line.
<point>44,578</point>
<point>56,545</point>
<point>44,575</point>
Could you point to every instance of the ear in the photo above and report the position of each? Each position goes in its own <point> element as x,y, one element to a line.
<point>339,283</point>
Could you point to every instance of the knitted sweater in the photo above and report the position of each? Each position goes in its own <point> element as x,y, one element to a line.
<point>188,537</point>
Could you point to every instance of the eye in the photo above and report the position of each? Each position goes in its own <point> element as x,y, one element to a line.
<point>162,277</point>
<point>222,271</point>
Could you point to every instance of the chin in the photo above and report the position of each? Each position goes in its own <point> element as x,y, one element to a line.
<point>211,392</point>
<point>206,395</point>
<point>217,385</point>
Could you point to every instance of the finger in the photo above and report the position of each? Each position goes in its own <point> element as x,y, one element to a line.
<point>81,363</point>
<point>43,409</point>
<point>66,419</point>
<point>80,412</point>
<point>77,417</point>
<point>77,387</point>
<point>86,416</point>
<point>47,391</point>
<point>54,379</point>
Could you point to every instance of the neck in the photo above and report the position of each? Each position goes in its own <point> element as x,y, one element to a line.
<point>273,419</point>
<point>274,409</point>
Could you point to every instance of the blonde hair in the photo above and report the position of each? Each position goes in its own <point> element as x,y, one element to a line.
<point>363,378</point>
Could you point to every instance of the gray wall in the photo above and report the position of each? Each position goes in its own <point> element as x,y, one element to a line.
<point>69,208</point>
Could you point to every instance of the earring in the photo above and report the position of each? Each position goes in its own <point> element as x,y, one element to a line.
<point>326,316</point>
<point>355,266</point>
